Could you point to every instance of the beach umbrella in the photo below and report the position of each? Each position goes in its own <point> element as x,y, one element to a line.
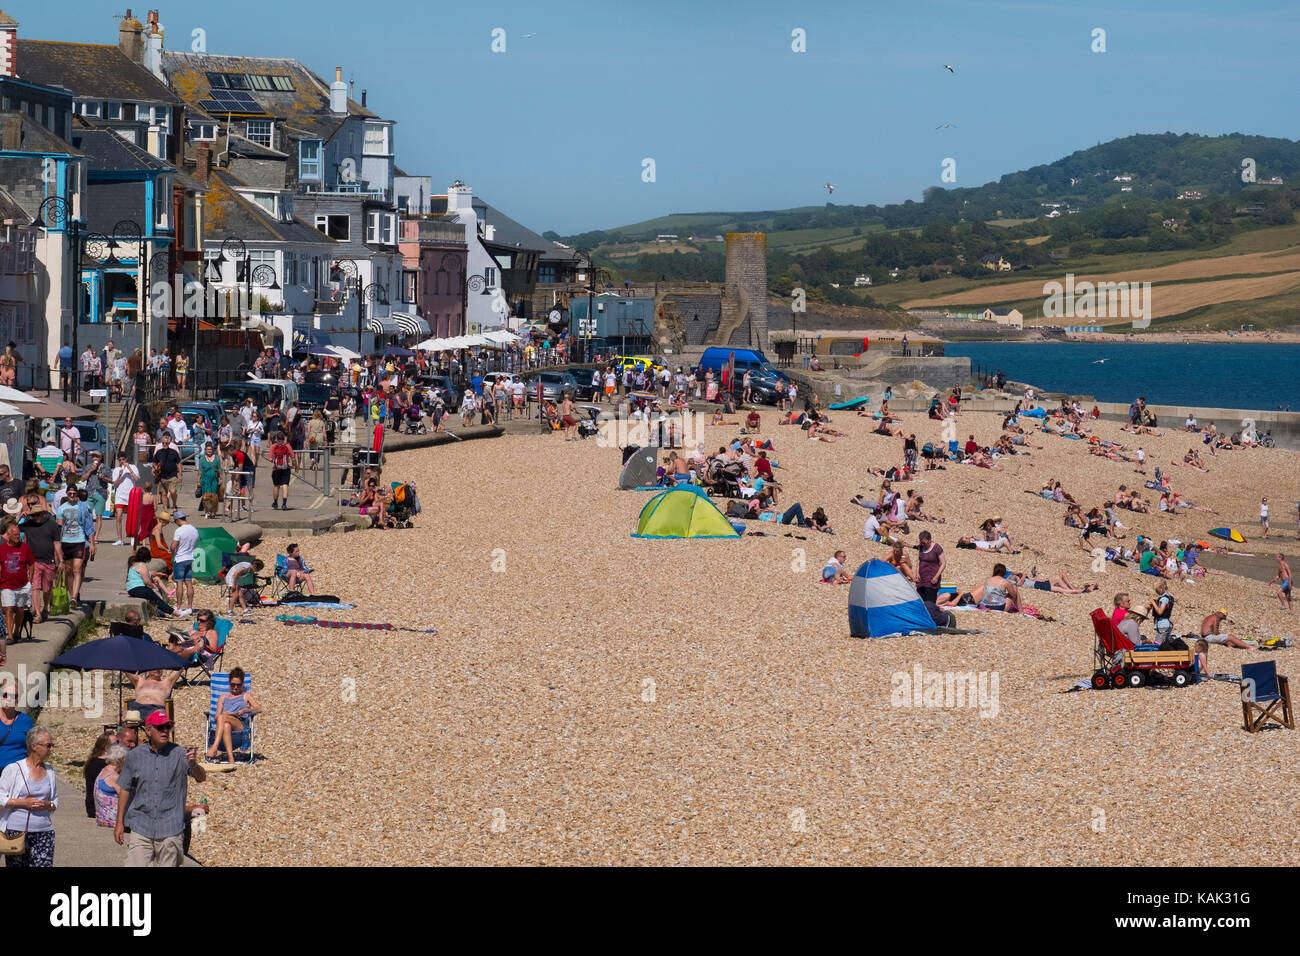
<point>120,653</point>
<point>1228,534</point>
<point>394,351</point>
<point>212,544</point>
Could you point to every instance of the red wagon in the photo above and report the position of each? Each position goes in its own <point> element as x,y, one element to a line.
<point>1120,664</point>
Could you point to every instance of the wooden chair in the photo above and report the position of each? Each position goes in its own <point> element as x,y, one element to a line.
<point>1265,695</point>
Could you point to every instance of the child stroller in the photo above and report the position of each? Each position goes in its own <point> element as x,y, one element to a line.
<point>588,421</point>
<point>403,503</point>
<point>726,477</point>
<point>415,420</point>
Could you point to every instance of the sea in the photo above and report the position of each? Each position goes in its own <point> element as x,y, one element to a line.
<point>1248,376</point>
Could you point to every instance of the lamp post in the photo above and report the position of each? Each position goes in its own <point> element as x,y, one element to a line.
<point>374,292</point>
<point>351,279</point>
<point>235,250</point>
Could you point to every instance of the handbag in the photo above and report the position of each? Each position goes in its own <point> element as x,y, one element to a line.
<point>16,846</point>
<point>59,603</point>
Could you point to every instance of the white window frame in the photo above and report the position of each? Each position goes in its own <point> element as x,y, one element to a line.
<point>259,257</point>
<point>114,111</point>
<point>270,132</point>
<point>383,130</point>
<point>318,162</point>
<point>196,131</point>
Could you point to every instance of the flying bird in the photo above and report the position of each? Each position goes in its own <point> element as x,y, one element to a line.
<point>948,68</point>
<point>946,126</point>
<point>529,36</point>
<point>829,189</point>
<point>1099,362</point>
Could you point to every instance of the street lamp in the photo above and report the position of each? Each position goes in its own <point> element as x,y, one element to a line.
<point>351,274</point>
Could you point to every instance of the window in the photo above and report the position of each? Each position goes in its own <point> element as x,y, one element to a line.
<point>91,109</point>
<point>39,114</point>
<point>410,285</point>
<point>191,238</point>
<point>336,227</point>
<point>546,274</point>
<point>260,257</point>
<point>290,269</point>
<point>379,228</point>
<point>376,141</point>
<point>162,200</point>
<point>128,111</point>
<point>114,111</point>
<point>162,118</point>
<point>217,81</point>
<point>309,158</point>
<point>259,131</point>
<point>203,132</point>
<point>265,200</point>
<point>283,83</point>
<point>50,118</point>
<point>236,81</point>
<point>7,104</point>
<point>257,81</point>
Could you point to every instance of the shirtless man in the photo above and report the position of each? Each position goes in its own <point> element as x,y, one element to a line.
<point>1284,582</point>
<point>152,690</point>
<point>569,418</point>
<point>1210,631</point>
<point>1042,582</point>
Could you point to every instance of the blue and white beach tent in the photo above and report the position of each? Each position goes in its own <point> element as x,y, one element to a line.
<point>883,602</point>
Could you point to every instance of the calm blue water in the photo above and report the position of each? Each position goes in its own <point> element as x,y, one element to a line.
<point>1251,376</point>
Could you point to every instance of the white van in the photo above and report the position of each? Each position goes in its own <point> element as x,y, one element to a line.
<point>282,390</point>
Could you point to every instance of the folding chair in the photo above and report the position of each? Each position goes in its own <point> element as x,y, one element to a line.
<point>212,662</point>
<point>242,740</point>
<point>1265,695</point>
<point>280,579</point>
<point>130,630</point>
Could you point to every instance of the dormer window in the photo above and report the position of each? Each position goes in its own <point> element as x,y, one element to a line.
<point>259,131</point>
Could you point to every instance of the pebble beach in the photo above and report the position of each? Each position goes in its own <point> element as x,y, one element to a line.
<point>594,698</point>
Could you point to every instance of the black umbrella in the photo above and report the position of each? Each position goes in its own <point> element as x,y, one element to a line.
<point>120,653</point>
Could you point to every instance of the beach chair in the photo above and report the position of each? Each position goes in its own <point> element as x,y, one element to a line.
<point>130,630</point>
<point>224,627</point>
<point>1265,695</point>
<point>280,578</point>
<point>243,741</point>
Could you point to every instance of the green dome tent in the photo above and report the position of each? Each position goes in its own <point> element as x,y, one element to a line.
<point>679,513</point>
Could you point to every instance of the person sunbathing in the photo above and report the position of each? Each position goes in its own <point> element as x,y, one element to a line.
<point>892,431</point>
<point>1042,582</point>
<point>233,709</point>
<point>979,544</point>
<point>817,433</point>
<point>1192,460</point>
<point>899,559</point>
<point>982,460</point>
<point>152,690</point>
<point>912,509</point>
<point>718,419</point>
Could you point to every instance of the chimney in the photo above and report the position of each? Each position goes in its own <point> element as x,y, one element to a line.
<point>363,99</point>
<point>11,133</point>
<point>8,45</point>
<point>153,46</point>
<point>203,163</point>
<point>154,141</point>
<point>459,197</point>
<point>338,93</point>
<point>130,38</point>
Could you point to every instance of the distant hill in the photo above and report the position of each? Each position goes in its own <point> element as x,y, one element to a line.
<point>1135,203</point>
<point>1161,166</point>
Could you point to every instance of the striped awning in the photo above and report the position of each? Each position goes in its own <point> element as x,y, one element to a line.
<point>411,324</point>
<point>383,325</point>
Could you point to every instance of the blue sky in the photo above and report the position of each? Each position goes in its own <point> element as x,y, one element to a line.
<point>554,130</point>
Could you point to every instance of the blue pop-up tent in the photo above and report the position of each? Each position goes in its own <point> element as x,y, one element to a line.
<point>883,602</point>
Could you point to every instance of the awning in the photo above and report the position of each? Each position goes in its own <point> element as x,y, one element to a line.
<point>501,336</point>
<point>383,325</point>
<point>411,324</point>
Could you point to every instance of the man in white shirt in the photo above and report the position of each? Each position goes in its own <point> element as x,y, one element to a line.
<point>246,413</point>
<point>596,383</point>
<point>184,544</point>
<point>871,529</point>
<point>237,595</point>
<point>834,572</point>
<point>124,478</point>
<point>180,431</point>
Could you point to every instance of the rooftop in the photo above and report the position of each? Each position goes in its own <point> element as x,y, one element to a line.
<point>93,70</point>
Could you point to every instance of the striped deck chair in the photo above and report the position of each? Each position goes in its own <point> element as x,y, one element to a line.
<point>242,741</point>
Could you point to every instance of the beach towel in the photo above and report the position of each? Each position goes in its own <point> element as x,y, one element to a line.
<point>292,619</point>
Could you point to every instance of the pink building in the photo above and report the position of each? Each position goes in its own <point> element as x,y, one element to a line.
<point>433,272</point>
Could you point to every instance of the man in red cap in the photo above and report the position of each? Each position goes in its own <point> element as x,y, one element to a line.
<point>154,786</point>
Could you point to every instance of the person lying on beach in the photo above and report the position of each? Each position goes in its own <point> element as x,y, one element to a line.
<point>718,419</point>
<point>979,544</point>
<point>982,460</point>
<point>1042,582</point>
<point>997,593</point>
<point>1102,452</point>
<point>885,428</point>
<point>817,433</point>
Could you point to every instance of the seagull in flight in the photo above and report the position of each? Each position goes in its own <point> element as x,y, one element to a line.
<point>529,36</point>
<point>1099,362</point>
<point>946,126</point>
<point>948,68</point>
<point>829,189</point>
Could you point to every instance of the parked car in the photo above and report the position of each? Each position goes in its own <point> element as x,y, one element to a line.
<point>94,437</point>
<point>313,395</point>
<point>320,377</point>
<point>635,362</point>
<point>450,392</point>
<point>555,384</point>
<point>212,411</point>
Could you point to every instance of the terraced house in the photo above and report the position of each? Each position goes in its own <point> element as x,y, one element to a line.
<point>306,154</point>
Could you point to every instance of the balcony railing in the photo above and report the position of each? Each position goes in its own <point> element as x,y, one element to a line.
<point>343,189</point>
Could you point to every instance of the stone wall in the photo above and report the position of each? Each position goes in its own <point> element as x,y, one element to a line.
<point>700,314</point>
<point>745,294</point>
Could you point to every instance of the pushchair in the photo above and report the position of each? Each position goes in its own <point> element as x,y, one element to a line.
<point>403,503</point>
<point>725,477</point>
<point>415,420</point>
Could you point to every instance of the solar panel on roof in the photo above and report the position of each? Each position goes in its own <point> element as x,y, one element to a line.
<point>210,106</point>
